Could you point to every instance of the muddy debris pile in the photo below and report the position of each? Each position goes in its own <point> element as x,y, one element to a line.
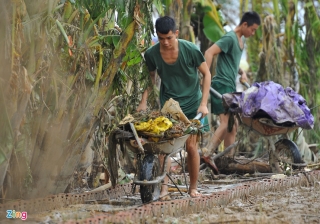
<point>162,125</point>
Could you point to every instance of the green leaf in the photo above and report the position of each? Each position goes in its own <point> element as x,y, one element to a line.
<point>112,39</point>
<point>173,120</point>
<point>108,40</point>
<point>308,4</point>
<point>134,53</point>
<point>134,61</point>
<point>159,7</point>
<point>115,40</point>
<point>211,29</point>
<point>125,58</point>
<point>94,42</point>
<point>206,9</point>
<point>189,130</point>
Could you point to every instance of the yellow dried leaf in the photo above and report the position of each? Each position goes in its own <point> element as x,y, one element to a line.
<point>156,126</point>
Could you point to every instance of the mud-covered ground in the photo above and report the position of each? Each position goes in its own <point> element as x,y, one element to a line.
<point>293,205</point>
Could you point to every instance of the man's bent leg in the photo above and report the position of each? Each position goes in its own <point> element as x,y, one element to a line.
<point>193,161</point>
<point>216,139</point>
<point>217,108</point>
<point>217,136</point>
<point>230,137</point>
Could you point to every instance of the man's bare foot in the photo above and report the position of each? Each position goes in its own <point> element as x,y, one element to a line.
<point>194,193</point>
<point>164,196</point>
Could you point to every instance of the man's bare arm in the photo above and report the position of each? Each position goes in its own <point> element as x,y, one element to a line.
<point>210,53</point>
<point>203,68</point>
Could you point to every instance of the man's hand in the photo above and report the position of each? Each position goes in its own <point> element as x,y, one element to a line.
<point>244,77</point>
<point>203,109</point>
<point>243,74</point>
<point>142,106</point>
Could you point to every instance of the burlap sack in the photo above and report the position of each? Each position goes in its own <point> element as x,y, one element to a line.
<point>172,107</point>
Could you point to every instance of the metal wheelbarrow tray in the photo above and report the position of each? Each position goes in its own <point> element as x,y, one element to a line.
<point>266,127</point>
<point>161,147</point>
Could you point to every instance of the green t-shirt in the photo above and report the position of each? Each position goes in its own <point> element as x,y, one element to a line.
<point>179,80</point>
<point>228,60</point>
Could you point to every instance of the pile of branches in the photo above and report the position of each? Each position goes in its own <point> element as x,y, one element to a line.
<point>178,129</point>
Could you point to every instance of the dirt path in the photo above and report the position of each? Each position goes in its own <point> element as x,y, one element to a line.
<point>299,204</point>
<point>295,206</point>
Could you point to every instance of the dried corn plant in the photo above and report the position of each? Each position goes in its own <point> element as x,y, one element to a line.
<point>271,55</point>
<point>68,60</point>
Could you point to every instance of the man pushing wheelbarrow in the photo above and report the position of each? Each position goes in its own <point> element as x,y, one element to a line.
<point>229,51</point>
<point>254,102</point>
<point>177,62</point>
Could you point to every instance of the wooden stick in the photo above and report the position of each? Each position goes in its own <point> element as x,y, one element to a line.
<point>140,147</point>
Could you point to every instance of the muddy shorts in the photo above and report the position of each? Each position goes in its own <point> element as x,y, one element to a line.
<point>216,103</point>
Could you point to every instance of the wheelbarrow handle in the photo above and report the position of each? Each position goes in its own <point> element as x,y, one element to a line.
<point>215,93</point>
<point>198,116</point>
<point>218,95</point>
<point>247,85</point>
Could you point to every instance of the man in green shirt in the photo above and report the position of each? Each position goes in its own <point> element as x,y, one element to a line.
<point>177,62</point>
<point>229,50</point>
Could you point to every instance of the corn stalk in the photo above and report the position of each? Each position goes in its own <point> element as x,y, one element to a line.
<point>56,104</point>
<point>186,30</point>
<point>309,63</point>
<point>253,43</point>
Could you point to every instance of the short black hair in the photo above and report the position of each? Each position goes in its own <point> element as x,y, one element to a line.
<point>251,18</point>
<point>165,24</point>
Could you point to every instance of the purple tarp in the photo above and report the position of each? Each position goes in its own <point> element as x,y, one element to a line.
<point>269,99</point>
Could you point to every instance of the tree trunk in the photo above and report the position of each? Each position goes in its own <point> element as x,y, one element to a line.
<point>174,10</point>
<point>186,30</point>
<point>230,166</point>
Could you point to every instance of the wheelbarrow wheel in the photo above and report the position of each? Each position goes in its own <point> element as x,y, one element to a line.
<point>288,152</point>
<point>150,169</point>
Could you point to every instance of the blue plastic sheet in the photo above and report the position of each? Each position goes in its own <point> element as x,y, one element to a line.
<point>270,100</point>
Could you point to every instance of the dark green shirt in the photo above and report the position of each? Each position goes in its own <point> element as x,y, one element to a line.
<point>228,60</point>
<point>179,80</point>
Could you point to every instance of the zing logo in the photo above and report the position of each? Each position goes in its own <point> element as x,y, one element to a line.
<point>12,214</point>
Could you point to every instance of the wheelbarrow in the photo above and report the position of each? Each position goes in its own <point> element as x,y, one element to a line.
<point>148,170</point>
<point>282,150</point>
